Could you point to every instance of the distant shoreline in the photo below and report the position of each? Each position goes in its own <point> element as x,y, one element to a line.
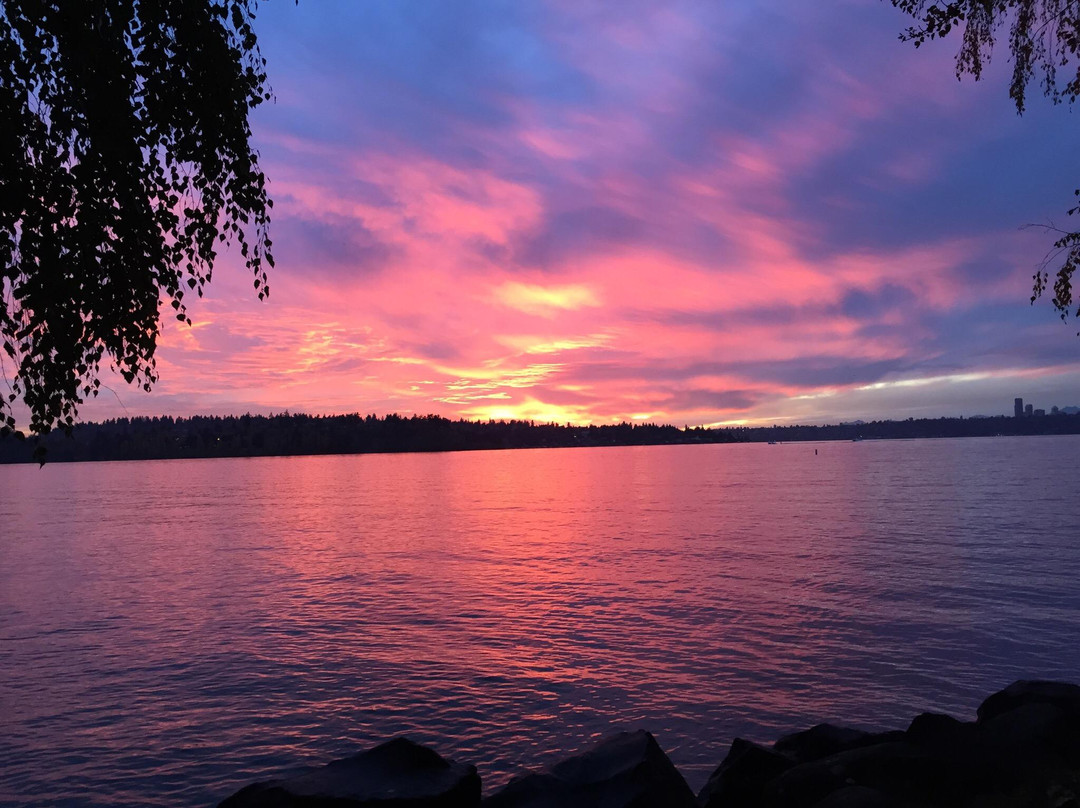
<point>200,437</point>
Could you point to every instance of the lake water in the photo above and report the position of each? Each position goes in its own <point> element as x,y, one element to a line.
<point>170,631</point>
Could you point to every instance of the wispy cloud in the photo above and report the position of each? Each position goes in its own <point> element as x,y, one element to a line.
<point>688,212</point>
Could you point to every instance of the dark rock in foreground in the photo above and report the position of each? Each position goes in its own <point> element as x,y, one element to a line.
<point>1023,751</point>
<point>1060,695</point>
<point>743,774</point>
<point>827,739</point>
<point>397,774</point>
<point>628,770</point>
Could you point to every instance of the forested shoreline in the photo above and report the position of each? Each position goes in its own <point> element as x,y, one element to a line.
<point>167,437</point>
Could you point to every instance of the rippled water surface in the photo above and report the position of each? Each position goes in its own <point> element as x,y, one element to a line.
<point>171,630</point>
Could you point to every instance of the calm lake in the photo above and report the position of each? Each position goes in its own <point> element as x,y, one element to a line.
<point>170,631</point>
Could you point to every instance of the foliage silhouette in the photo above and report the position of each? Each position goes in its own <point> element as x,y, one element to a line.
<point>1044,42</point>
<point>125,165</point>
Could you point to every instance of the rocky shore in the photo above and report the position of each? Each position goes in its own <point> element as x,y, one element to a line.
<point>1022,750</point>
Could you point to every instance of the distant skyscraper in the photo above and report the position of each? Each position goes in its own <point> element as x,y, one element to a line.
<point>1029,409</point>
<point>1018,408</point>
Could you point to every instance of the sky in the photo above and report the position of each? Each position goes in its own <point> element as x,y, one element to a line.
<point>681,211</point>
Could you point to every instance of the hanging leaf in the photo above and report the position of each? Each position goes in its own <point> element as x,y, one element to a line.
<point>125,158</point>
<point>1044,43</point>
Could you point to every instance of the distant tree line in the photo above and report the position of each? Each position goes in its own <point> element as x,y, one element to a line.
<point>295,434</point>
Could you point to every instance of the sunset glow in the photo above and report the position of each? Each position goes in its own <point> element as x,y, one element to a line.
<point>719,213</point>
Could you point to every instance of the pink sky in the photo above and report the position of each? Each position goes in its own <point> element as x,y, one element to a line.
<point>684,212</point>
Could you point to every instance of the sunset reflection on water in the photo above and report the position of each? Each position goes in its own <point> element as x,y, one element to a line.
<point>172,630</point>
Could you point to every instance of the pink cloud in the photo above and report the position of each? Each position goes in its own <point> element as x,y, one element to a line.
<point>636,245</point>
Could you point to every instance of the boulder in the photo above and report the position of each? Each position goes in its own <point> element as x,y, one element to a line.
<point>1062,695</point>
<point>1037,733</point>
<point>802,786</point>
<point>963,745</point>
<point>628,770</point>
<point>940,731</point>
<point>905,772</point>
<point>859,797</point>
<point>827,739</point>
<point>742,776</point>
<point>396,774</point>
<point>1031,730</point>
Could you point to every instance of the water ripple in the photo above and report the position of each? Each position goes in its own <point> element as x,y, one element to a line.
<point>172,630</point>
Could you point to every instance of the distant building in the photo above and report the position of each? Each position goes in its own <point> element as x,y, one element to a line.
<point>1054,410</point>
<point>1029,410</point>
<point>1039,413</point>
<point>1071,410</point>
<point>1018,408</point>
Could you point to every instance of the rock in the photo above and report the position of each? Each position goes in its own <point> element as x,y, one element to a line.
<point>904,771</point>
<point>1034,733</point>
<point>1032,728</point>
<point>939,731</point>
<point>975,763</point>
<point>859,797</point>
<point>818,742</point>
<point>742,776</point>
<point>827,739</point>
<point>1064,696</point>
<point>628,770</point>
<point>396,774</point>
<point>528,789</point>
<point>804,785</point>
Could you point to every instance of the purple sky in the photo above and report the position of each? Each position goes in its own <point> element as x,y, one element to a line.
<point>693,212</point>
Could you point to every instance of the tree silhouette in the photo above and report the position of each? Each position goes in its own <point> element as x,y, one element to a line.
<point>298,434</point>
<point>1044,43</point>
<point>125,165</point>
